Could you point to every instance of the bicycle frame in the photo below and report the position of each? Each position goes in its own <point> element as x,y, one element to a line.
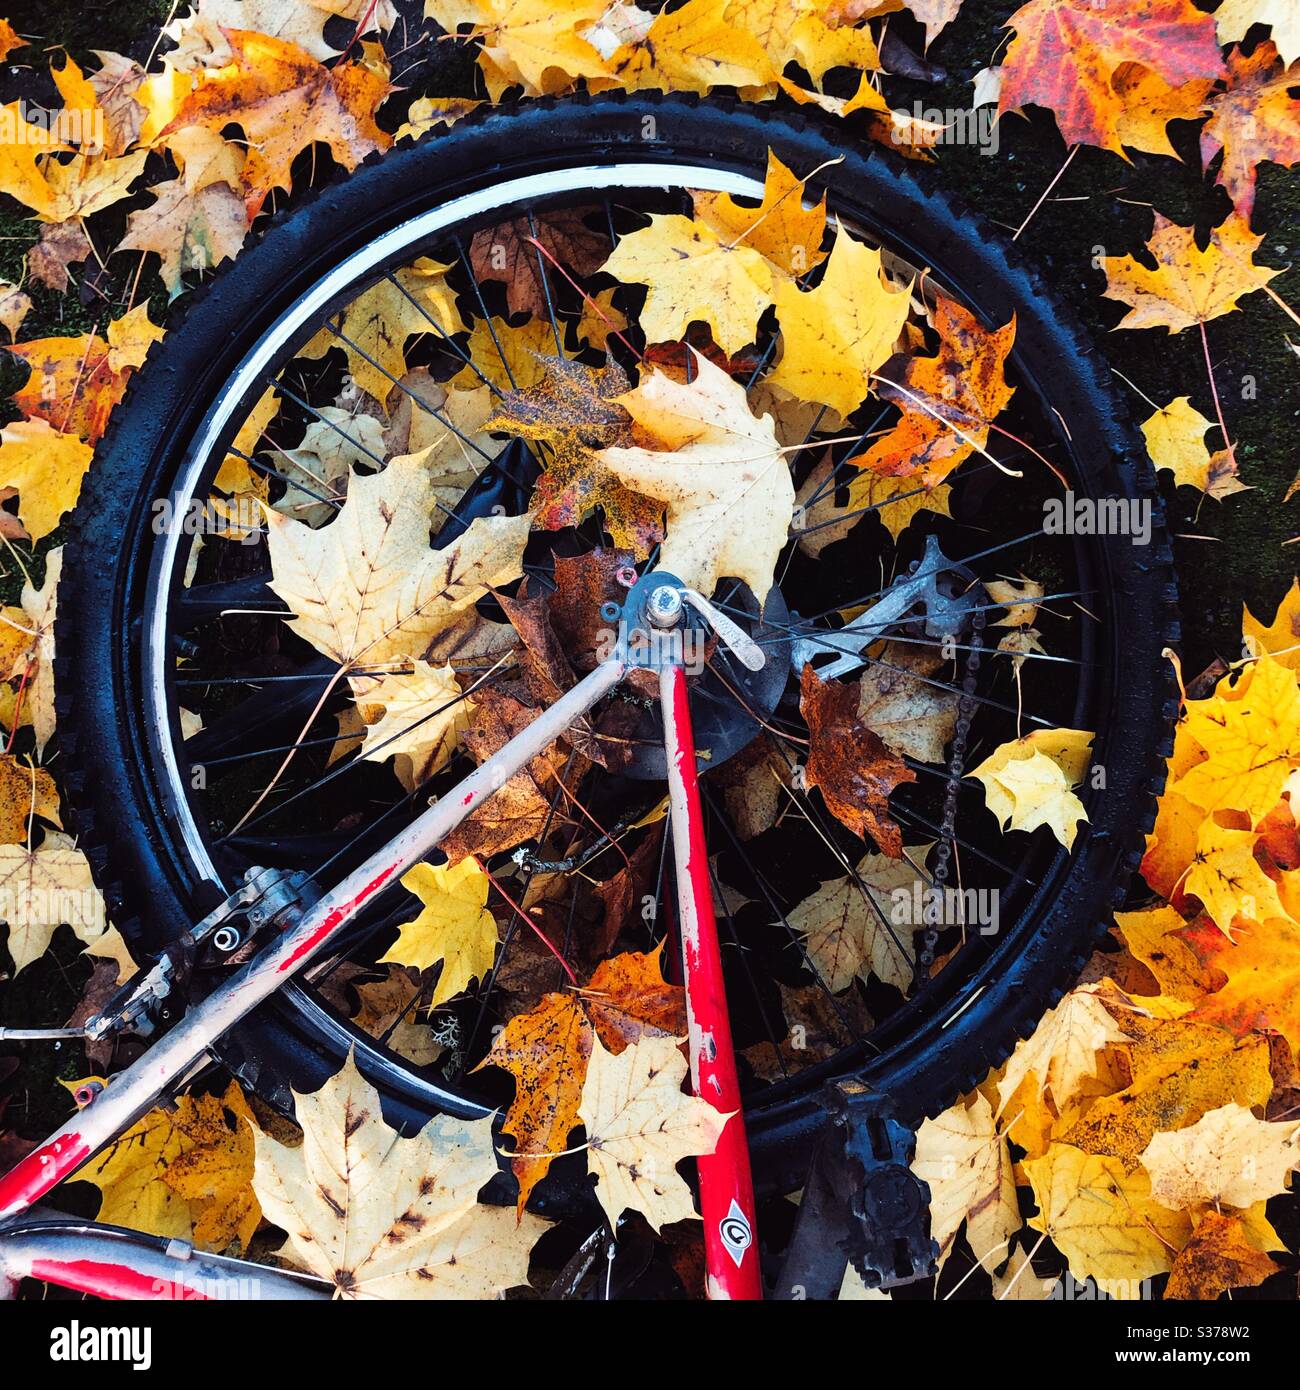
<point>74,1259</point>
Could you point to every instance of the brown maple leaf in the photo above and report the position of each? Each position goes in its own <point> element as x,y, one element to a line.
<point>854,769</point>
<point>583,583</point>
<point>508,252</point>
<point>521,809</point>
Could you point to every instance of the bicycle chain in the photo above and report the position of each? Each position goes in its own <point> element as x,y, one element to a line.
<point>943,850</point>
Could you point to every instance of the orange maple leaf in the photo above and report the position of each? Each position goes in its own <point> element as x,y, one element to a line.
<point>547,1050</point>
<point>285,101</point>
<point>1254,120</point>
<point>1065,54</point>
<point>949,401</point>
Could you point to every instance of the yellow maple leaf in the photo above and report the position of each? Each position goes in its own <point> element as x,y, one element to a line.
<point>1251,740</point>
<point>1281,638</point>
<point>46,467</point>
<point>284,100</point>
<point>1027,781</point>
<point>781,229</point>
<point>377,1215</point>
<point>1180,1068</point>
<point>1227,1158</point>
<point>1189,285</point>
<point>1062,1052</point>
<point>852,926</point>
<point>835,335</point>
<point>963,1157</point>
<point>454,926</point>
<point>25,791</point>
<point>376,324</point>
<point>796,31</point>
<point>416,717</point>
<point>694,275</point>
<point>640,1125</point>
<point>720,471</point>
<point>1234,17</point>
<point>368,587</point>
<point>690,49</point>
<point>1103,1219</point>
<point>1152,936</point>
<point>183,1173</point>
<point>1227,877</point>
<point>1175,437</point>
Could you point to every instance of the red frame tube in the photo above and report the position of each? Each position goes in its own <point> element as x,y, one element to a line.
<point>726,1186</point>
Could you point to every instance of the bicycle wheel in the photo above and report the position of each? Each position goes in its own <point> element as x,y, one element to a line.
<point>182,684</point>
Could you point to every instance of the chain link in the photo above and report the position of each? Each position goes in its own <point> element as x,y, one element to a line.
<point>966,706</point>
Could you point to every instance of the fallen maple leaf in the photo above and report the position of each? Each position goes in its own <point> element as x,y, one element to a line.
<point>523,808</point>
<point>949,401</point>
<point>1219,1256</point>
<point>1154,937</point>
<point>1175,437</point>
<point>912,714</point>
<point>75,382</point>
<point>797,31</point>
<point>693,274</point>
<point>27,654</point>
<point>284,100</point>
<point>720,471</point>
<point>15,305</point>
<point>1027,781</point>
<point>183,1173</point>
<point>640,1126</point>
<point>850,764</point>
<point>507,252</point>
<point>1103,1219</point>
<point>689,49</point>
<point>1251,739</point>
<point>1189,285</point>
<point>1066,51</point>
<point>788,235</point>
<point>573,413</point>
<point>964,1159</point>
<point>1281,637</point>
<point>189,231</point>
<point>379,1216</point>
<point>546,1049</point>
<point>1253,121</point>
<point>417,717</point>
<point>454,927</point>
<point>837,334</point>
<point>42,888</point>
<point>46,467</point>
<point>1225,875</point>
<point>1227,1158</point>
<point>374,327</point>
<point>853,926</point>
<point>1261,966</point>
<point>368,588</point>
<point>1062,1052</point>
<point>1234,17</point>
<point>1180,1068</point>
<point>25,791</point>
